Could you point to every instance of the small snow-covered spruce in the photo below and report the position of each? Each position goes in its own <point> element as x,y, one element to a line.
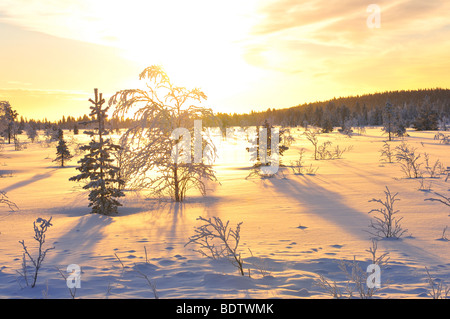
<point>40,226</point>
<point>158,112</point>
<point>62,151</point>
<point>386,225</point>
<point>216,240</point>
<point>5,201</point>
<point>97,165</point>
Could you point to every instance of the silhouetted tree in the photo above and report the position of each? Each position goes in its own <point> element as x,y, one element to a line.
<point>62,151</point>
<point>8,117</point>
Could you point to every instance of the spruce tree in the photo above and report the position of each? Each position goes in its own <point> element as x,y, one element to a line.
<point>388,115</point>
<point>8,116</point>
<point>97,165</point>
<point>62,151</point>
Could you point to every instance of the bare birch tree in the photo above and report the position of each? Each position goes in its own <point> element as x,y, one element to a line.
<point>163,158</point>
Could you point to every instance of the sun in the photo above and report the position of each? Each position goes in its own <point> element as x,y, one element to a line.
<point>196,42</point>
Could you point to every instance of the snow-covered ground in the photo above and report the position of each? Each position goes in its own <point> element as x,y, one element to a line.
<point>295,227</point>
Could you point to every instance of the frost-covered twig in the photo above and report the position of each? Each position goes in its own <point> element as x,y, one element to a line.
<point>445,200</point>
<point>151,284</point>
<point>5,201</point>
<point>72,292</point>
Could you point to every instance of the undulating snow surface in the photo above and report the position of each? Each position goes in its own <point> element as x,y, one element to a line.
<point>295,227</point>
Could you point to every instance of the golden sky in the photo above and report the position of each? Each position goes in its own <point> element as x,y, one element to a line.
<point>245,55</point>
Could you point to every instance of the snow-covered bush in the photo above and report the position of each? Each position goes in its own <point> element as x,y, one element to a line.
<point>386,153</point>
<point>434,170</point>
<point>438,289</point>
<point>312,136</point>
<point>386,225</point>
<point>40,226</point>
<point>298,167</point>
<point>325,151</point>
<point>216,240</point>
<point>159,114</point>
<point>357,280</point>
<point>408,159</point>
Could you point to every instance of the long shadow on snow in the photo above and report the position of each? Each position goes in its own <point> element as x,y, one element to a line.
<point>330,206</point>
<point>33,179</point>
<point>322,202</point>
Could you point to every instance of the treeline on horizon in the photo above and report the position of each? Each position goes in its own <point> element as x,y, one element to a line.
<point>408,106</point>
<point>353,111</point>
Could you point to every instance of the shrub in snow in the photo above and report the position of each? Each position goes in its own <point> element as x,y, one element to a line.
<point>386,225</point>
<point>357,280</point>
<point>40,226</point>
<point>164,120</point>
<point>409,160</point>
<point>62,151</point>
<point>433,169</point>
<point>216,240</point>
<point>97,165</point>
<point>326,152</point>
<point>438,289</point>
<point>313,138</point>
<point>386,153</point>
<point>299,168</point>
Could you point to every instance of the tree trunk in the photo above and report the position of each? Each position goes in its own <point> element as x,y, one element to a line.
<point>176,183</point>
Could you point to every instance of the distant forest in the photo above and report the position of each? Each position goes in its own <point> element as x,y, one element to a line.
<point>407,108</point>
<point>421,109</point>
